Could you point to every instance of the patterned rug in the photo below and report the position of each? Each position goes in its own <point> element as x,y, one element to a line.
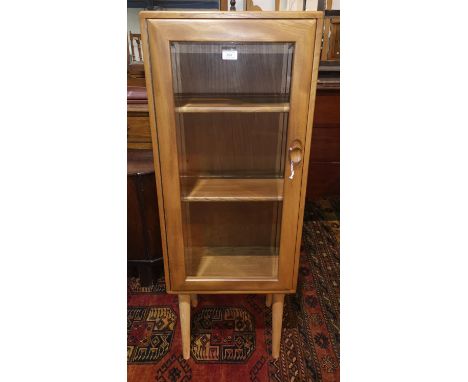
<point>231,334</point>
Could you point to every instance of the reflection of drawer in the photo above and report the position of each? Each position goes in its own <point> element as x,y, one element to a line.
<point>325,144</point>
<point>138,132</point>
<point>324,167</point>
<point>323,180</point>
<point>327,109</point>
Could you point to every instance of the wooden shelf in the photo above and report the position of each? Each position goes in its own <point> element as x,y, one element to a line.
<point>232,262</point>
<point>265,104</point>
<point>223,189</point>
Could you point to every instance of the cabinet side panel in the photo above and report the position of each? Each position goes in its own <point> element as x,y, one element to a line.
<point>310,117</point>
<point>297,131</point>
<point>161,72</point>
<point>154,139</point>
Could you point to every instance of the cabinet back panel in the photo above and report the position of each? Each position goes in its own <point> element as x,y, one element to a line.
<point>236,224</point>
<point>243,144</point>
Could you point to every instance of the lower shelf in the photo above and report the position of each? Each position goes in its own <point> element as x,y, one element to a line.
<point>232,262</point>
<point>225,189</point>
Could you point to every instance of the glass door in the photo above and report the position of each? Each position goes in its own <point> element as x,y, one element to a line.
<point>232,125</point>
<point>232,103</point>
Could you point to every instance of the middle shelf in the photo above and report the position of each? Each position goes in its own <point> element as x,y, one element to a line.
<point>228,189</point>
<point>239,104</point>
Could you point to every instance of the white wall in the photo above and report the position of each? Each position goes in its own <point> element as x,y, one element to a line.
<point>133,22</point>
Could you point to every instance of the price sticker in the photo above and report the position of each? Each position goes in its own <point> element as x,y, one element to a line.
<point>229,54</point>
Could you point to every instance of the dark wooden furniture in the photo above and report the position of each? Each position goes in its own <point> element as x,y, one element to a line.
<point>324,167</point>
<point>331,37</point>
<point>144,252</point>
<point>138,131</point>
<point>136,77</point>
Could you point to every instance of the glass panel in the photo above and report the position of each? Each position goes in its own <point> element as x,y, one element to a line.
<point>232,239</point>
<point>232,144</point>
<point>215,68</point>
<point>232,104</point>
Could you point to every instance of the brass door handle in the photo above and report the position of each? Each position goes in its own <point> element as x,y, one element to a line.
<point>295,155</point>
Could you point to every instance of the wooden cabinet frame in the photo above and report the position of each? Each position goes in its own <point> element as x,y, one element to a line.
<point>159,29</point>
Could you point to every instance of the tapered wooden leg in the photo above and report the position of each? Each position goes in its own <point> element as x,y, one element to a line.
<point>277,316</point>
<point>184,313</point>
<point>269,297</point>
<point>194,300</point>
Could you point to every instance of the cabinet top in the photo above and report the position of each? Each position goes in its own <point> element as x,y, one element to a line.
<point>231,15</point>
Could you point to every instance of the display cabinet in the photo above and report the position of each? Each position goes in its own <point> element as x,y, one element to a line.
<point>231,99</point>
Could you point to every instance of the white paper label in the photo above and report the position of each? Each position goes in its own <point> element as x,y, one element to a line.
<point>229,54</point>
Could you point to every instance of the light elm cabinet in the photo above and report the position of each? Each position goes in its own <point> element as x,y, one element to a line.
<point>231,100</point>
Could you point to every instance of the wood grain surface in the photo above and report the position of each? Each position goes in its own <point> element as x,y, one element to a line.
<point>159,30</point>
<point>216,189</point>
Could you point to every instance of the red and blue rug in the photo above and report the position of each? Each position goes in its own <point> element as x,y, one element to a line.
<point>231,334</point>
